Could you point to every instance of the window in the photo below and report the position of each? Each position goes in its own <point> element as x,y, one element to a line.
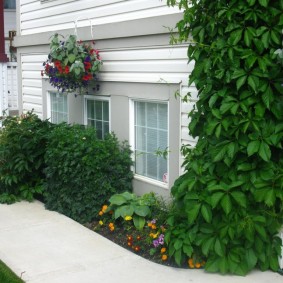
<point>97,115</point>
<point>58,107</point>
<point>10,4</point>
<point>151,135</point>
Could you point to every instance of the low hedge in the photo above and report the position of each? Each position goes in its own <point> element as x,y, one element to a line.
<point>82,171</point>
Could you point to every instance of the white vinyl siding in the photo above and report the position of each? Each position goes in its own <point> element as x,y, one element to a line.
<point>151,135</point>
<point>58,107</point>
<point>97,115</point>
<point>39,17</point>
<point>31,66</point>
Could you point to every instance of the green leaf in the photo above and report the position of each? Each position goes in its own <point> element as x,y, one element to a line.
<point>142,210</point>
<point>206,213</point>
<point>251,258</point>
<point>123,211</point>
<point>253,82</point>
<point>178,244</point>
<point>236,36</point>
<point>240,198</point>
<point>193,211</point>
<point>139,222</point>
<point>264,151</point>
<point>226,204</point>
<point>178,256</point>
<point>253,147</point>
<point>240,82</point>
<point>264,3</point>
<point>215,198</point>
<point>223,265</point>
<point>118,199</point>
<point>260,110</point>
<point>188,250</point>
<point>219,248</point>
<point>207,245</point>
<point>265,39</point>
<point>71,58</point>
<point>212,265</point>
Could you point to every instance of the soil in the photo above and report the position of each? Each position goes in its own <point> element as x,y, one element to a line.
<point>134,241</point>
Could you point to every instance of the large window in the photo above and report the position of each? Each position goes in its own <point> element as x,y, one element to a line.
<point>151,137</point>
<point>97,115</point>
<point>58,107</point>
<point>9,4</point>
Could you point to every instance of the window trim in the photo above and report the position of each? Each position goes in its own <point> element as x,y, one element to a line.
<point>100,98</point>
<point>49,105</point>
<point>132,141</point>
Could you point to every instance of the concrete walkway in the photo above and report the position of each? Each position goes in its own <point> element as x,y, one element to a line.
<point>46,247</point>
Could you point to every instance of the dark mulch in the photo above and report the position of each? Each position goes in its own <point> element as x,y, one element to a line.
<point>140,243</point>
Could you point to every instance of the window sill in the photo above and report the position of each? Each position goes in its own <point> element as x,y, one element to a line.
<point>151,181</point>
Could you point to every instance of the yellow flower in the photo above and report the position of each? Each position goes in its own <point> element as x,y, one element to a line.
<point>155,235</point>
<point>100,222</point>
<point>151,235</point>
<point>128,218</point>
<point>164,257</point>
<point>104,207</point>
<point>163,250</point>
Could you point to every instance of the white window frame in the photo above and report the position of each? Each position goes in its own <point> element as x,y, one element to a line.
<point>49,105</point>
<point>132,142</point>
<point>99,98</point>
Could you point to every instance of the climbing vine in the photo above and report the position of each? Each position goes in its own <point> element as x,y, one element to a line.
<point>228,203</point>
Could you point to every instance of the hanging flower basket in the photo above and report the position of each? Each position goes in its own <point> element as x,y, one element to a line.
<point>71,64</point>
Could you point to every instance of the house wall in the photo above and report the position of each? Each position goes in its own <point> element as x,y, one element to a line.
<point>133,39</point>
<point>37,16</point>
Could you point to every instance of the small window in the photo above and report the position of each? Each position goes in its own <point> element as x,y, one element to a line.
<point>97,115</point>
<point>151,135</point>
<point>58,108</point>
<point>10,4</point>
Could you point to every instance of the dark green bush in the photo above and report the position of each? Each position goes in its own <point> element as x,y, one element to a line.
<point>82,172</point>
<point>229,202</point>
<point>22,148</point>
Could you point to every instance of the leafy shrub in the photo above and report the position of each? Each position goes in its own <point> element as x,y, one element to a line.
<point>82,172</point>
<point>22,148</point>
<point>229,201</point>
<point>132,206</point>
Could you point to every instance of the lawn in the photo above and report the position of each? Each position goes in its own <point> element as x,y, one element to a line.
<point>7,275</point>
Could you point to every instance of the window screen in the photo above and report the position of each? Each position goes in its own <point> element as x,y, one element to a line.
<point>97,116</point>
<point>58,108</point>
<point>151,135</point>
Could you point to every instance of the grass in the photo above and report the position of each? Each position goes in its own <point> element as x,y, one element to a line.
<point>7,275</point>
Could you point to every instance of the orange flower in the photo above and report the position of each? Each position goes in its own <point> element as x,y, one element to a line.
<point>111,226</point>
<point>163,250</point>
<point>164,257</point>
<point>138,238</point>
<point>129,244</point>
<point>137,248</point>
<point>198,265</point>
<point>191,263</point>
<point>100,213</point>
<point>104,207</point>
<point>149,224</point>
<point>153,226</point>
